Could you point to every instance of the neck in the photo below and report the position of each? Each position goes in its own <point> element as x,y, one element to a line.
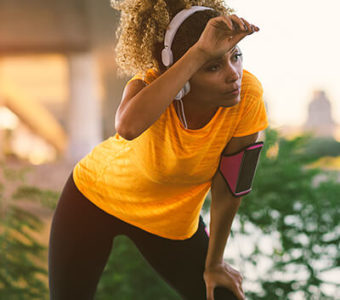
<point>196,116</point>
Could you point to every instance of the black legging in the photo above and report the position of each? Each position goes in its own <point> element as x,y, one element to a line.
<point>81,240</point>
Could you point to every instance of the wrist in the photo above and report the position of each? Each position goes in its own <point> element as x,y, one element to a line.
<point>214,264</point>
<point>200,56</point>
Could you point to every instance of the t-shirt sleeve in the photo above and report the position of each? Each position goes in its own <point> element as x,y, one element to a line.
<point>137,76</point>
<point>147,77</point>
<point>253,116</point>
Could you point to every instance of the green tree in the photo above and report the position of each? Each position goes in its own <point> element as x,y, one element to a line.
<point>322,146</point>
<point>298,208</point>
<point>22,257</point>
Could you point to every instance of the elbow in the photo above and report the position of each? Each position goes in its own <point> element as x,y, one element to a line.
<point>126,128</point>
<point>126,136</point>
<point>125,133</point>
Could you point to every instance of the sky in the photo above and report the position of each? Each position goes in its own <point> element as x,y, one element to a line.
<point>296,51</point>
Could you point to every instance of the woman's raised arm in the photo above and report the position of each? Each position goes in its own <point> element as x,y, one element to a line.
<point>142,106</point>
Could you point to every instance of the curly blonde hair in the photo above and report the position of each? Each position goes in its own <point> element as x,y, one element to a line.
<point>142,27</point>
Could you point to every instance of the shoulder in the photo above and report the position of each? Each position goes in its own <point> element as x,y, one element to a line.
<point>147,77</point>
<point>139,81</point>
<point>251,85</point>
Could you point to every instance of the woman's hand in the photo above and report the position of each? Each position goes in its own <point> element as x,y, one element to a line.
<point>223,275</point>
<point>222,33</point>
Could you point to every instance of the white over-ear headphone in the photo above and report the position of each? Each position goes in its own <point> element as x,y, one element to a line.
<point>167,56</point>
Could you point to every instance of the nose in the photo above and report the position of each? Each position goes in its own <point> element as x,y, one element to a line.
<point>231,73</point>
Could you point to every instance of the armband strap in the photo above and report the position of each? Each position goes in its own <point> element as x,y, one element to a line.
<point>238,169</point>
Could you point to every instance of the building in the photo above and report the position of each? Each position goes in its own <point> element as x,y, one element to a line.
<point>58,74</point>
<point>320,120</point>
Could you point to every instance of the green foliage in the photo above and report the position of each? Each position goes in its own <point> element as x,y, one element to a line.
<point>22,272</point>
<point>128,276</point>
<point>19,273</point>
<point>323,146</point>
<point>298,207</point>
<point>47,198</point>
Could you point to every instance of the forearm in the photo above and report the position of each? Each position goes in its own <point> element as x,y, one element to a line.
<point>152,100</point>
<point>222,212</point>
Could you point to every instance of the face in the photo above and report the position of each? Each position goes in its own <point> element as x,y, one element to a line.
<point>218,82</point>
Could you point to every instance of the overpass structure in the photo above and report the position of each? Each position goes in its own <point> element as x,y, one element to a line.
<point>83,31</point>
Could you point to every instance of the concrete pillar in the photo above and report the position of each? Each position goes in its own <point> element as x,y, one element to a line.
<point>103,22</point>
<point>2,142</point>
<point>84,125</point>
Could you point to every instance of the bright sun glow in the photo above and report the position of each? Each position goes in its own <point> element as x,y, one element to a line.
<point>337,134</point>
<point>295,52</point>
<point>42,78</point>
<point>8,120</point>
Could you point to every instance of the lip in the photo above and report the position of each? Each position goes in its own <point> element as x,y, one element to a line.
<point>234,91</point>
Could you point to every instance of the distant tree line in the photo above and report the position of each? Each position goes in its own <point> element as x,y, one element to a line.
<point>322,146</point>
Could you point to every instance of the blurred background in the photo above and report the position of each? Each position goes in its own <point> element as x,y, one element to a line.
<point>59,93</point>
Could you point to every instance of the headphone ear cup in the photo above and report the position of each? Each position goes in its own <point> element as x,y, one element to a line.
<point>186,88</point>
<point>184,91</point>
<point>180,94</point>
<point>167,57</point>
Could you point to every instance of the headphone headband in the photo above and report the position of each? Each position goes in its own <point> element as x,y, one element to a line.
<point>178,19</point>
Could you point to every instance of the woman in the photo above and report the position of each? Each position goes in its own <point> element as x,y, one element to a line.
<point>149,181</point>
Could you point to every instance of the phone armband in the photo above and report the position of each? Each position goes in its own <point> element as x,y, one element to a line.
<point>238,169</point>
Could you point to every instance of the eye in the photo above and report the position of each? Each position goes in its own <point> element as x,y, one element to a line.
<point>237,56</point>
<point>213,68</point>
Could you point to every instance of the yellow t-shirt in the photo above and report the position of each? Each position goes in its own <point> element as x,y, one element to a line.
<point>159,180</point>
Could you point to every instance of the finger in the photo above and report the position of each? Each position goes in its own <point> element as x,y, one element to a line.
<point>228,21</point>
<point>239,22</point>
<point>255,28</point>
<point>241,289</point>
<point>239,292</point>
<point>239,277</point>
<point>210,292</point>
<point>251,28</point>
